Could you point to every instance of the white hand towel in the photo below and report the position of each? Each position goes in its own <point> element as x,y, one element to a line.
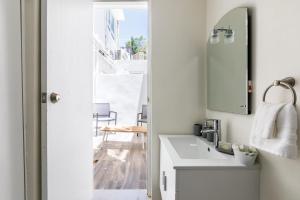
<point>284,141</point>
<point>264,120</point>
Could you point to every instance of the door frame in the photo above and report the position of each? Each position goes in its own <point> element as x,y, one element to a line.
<point>30,31</point>
<point>43,88</point>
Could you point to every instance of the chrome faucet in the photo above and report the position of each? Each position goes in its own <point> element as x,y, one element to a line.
<point>213,126</point>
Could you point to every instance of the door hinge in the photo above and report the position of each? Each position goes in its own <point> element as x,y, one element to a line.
<point>44,97</point>
<point>250,86</point>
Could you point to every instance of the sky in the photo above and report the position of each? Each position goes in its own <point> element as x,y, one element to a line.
<point>135,24</point>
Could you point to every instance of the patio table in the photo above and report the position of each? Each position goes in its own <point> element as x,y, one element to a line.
<point>123,129</point>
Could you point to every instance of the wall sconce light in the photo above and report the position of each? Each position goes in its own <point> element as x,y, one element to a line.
<point>214,37</point>
<point>228,35</point>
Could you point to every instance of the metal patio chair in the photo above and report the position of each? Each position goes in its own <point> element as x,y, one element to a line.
<point>142,117</point>
<point>102,113</point>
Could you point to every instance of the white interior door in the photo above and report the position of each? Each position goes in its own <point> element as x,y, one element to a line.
<point>11,125</point>
<point>67,170</point>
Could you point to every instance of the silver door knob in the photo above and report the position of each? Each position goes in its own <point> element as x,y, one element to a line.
<point>54,97</point>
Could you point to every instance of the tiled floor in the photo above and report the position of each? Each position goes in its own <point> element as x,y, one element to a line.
<point>120,195</point>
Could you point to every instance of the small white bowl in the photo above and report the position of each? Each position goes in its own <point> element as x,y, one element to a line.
<point>244,154</point>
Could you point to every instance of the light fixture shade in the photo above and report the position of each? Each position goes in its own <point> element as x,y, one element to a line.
<point>229,36</point>
<point>214,37</point>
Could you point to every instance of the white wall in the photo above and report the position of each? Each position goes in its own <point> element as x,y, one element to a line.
<point>11,122</point>
<point>275,50</point>
<point>134,66</point>
<point>123,92</point>
<point>178,45</point>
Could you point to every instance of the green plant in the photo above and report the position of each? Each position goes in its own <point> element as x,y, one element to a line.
<point>136,45</point>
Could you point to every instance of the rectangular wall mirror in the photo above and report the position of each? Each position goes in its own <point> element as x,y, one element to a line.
<point>228,75</point>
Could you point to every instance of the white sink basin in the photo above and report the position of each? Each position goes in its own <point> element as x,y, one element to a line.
<point>192,151</point>
<point>194,148</point>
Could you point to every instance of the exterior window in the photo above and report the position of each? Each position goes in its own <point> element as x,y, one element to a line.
<point>111,23</point>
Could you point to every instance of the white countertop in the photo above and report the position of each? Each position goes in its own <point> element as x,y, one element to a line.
<point>180,163</point>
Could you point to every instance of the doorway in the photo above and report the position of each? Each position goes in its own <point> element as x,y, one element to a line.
<point>120,110</point>
<point>70,86</point>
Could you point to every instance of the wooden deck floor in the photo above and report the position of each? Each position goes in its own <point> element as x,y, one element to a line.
<point>121,165</point>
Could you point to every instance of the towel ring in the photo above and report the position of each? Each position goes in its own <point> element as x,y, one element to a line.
<point>287,83</point>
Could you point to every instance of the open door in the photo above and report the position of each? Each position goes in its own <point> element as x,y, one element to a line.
<point>66,100</point>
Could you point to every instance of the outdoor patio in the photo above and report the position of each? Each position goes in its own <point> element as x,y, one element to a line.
<point>120,162</point>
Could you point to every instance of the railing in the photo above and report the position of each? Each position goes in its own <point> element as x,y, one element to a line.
<point>103,62</point>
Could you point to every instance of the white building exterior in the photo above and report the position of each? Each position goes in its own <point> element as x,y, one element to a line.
<point>107,29</point>
<point>117,79</point>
